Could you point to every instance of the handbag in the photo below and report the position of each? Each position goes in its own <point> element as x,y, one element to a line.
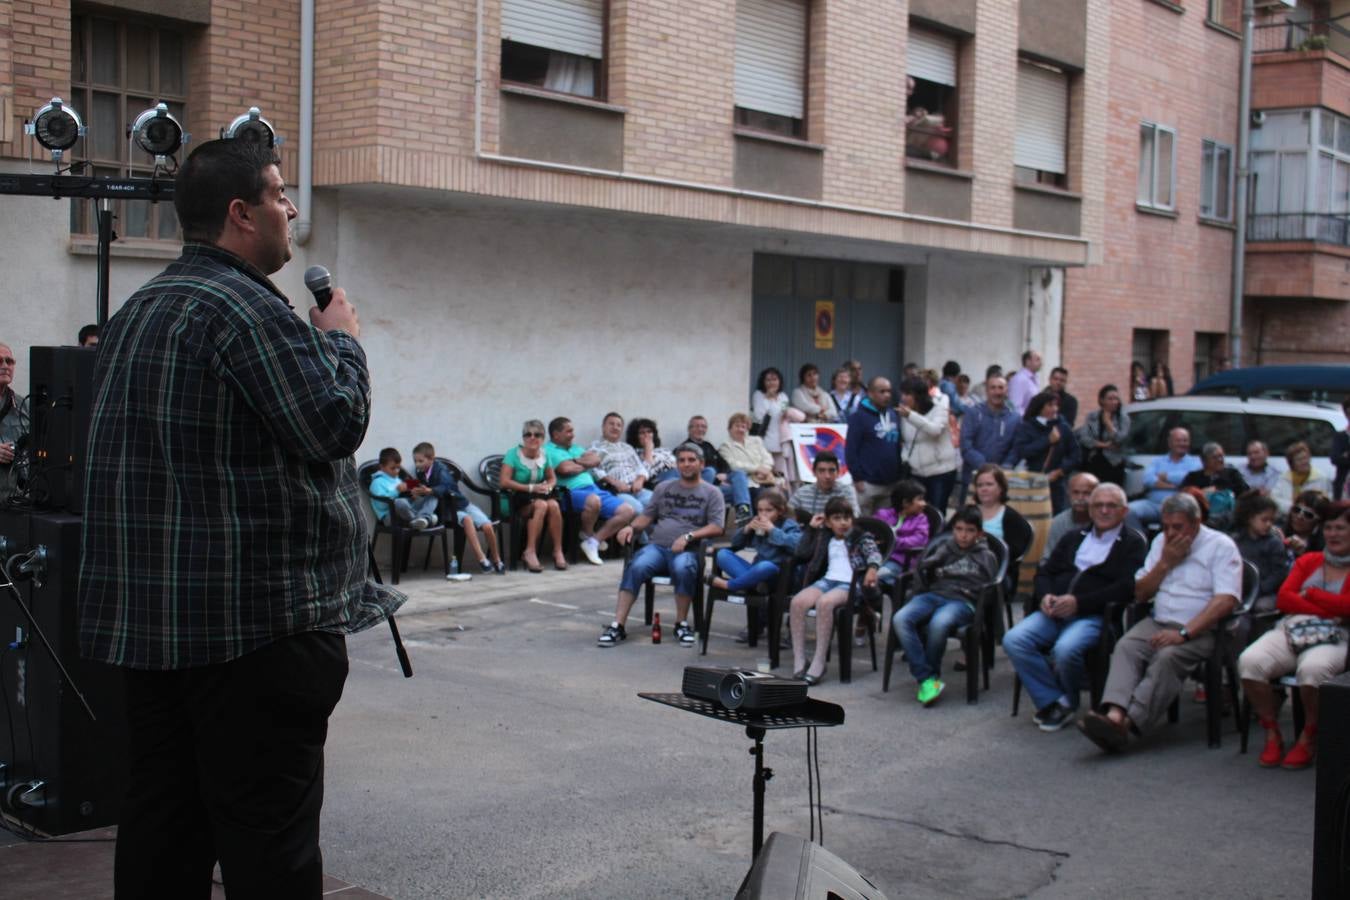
<point>761,428</point>
<point>1311,632</point>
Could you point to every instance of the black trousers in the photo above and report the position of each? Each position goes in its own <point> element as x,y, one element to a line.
<point>227,764</point>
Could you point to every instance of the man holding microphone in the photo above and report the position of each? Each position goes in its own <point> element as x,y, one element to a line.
<point>224,554</point>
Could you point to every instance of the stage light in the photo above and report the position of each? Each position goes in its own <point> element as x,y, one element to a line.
<point>57,127</point>
<point>158,133</point>
<point>251,126</point>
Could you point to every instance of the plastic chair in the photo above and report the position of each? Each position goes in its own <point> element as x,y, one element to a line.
<point>400,536</point>
<point>649,587</point>
<point>859,601</point>
<point>451,519</point>
<point>768,600</point>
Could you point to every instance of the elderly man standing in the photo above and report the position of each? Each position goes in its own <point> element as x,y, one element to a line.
<point>872,450</point>
<point>1085,571</point>
<point>1023,384</point>
<point>1078,515</point>
<point>1193,575</point>
<point>987,430</point>
<point>13,418</point>
<point>1163,477</point>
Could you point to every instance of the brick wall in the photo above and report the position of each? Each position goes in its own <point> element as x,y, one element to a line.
<point>34,61</point>
<point>1158,272</point>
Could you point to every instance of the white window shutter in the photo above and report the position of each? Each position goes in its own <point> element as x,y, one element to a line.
<point>932,57</point>
<point>569,26</point>
<point>771,56</point>
<point>1042,119</point>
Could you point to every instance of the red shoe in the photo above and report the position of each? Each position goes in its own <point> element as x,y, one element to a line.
<point>1274,752</point>
<point>1303,753</point>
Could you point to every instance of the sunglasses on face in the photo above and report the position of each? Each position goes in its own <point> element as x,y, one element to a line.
<point>1304,512</point>
<point>532,434</point>
<point>7,361</point>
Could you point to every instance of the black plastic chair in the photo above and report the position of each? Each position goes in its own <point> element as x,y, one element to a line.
<point>765,600</point>
<point>1018,535</point>
<point>400,536</point>
<point>450,518</point>
<point>859,601</point>
<point>649,587</point>
<point>972,636</point>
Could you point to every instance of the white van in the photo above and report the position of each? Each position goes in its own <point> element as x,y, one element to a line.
<point>1231,422</point>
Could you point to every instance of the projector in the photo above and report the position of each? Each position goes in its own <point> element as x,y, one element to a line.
<point>742,689</point>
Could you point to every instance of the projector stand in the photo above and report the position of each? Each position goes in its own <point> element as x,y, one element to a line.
<point>811,714</point>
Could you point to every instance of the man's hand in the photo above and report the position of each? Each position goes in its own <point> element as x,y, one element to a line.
<point>625,534</point>
<point>7,452</point>
<point>678,545</point>
<point>1063,606</point>
<point>870,579</point>
<point>1175,550</point>
<point>1054,475</point>
<point>421,490</point>
<point>590,459</point>
<point>1166,638</point>
<point>339,316</point>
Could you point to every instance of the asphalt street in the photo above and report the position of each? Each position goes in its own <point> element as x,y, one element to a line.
<point>519,762</point>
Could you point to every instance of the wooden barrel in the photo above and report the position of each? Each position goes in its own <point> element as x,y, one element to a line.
<point>1029,494</point>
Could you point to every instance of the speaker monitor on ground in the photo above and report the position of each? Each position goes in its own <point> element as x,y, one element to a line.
<point>791,868</point>
<point>61,393</point>
<point>1331,837</point>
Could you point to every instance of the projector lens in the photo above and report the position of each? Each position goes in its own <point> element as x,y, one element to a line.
<point>731,692</point>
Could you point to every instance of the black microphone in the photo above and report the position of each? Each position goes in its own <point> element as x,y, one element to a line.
<point>320,284</point>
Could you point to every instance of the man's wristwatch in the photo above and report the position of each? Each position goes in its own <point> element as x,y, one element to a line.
<point>1185,635</point>
<point>688,537</point>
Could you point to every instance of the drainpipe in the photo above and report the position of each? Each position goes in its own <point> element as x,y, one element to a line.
<point>1243,180</point>
<point>303,222</point>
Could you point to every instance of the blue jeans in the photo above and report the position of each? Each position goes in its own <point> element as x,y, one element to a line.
<point>737,489</point>
<point>638,501</point>
<point>651,560</point>
<point>709,474</point>
<point>1143,512</point>
<point>743,576</point>
<point>406,510</point>
<point>1059,676</point>
<point>938,489</point>
<point>943,616</point>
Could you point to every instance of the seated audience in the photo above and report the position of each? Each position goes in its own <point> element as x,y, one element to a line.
<point>1162,477</point>
<point>1340,454</point>
<point>810,499</point>
<point>811,398</point>
<point>991,499</point>
<point>772,534</point>
<point>951,574</point>
<point>1220,483</point>
<point>907,519</point>
<point>769,407</point>
<point>926,435</point>
<point>1102,437</point>
<point>414,505</point>
<point>573,466</point>
<point>1309,641</point>
<point>1301,476</point>
<point>1257,470</point>
<point>1045,443</point>
<point>531,480</point>
<point>1078,515</point>
<point>1084,571</point>
<point>620,470</point>
<point>833,550</point>
<point>715,470</point>
<point>747,460</point>
<point>659,462</point>
<point>1303,525</point>
<point>680,514</point>
<point>1193,575</point>
<point>442,482</point>
<point>1260,544</point>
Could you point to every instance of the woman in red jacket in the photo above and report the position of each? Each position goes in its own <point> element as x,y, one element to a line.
<point>1309,641</point>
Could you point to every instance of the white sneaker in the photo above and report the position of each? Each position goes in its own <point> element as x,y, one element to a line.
<point>418,523</point>
<point>590,548</point>
<point>432,520</point>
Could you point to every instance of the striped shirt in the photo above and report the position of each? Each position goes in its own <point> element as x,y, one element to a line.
<point>222,508</point>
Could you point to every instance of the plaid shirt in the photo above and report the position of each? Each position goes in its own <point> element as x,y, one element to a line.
<point>222,509</point>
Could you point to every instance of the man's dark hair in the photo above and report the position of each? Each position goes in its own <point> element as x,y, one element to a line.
<point>388,455</point>
<point>991,371</point>
<point>824,456</point>
<point>1026,356</point>
<point>424,449</point>
<point>86,333</point>
<point>1060,370</point>
<point>689,447</point>
<point>556,425</point>
<point>951,368</point>
<point>215,174</point>
<point>611,415</point>
<point>839,506</point>
<point>970,515</point>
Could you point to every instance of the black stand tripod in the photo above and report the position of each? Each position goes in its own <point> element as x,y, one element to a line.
<point>811,714</point>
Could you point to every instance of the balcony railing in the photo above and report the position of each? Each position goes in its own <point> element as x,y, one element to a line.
<point>1315,34</point>
<point>1325,228</point>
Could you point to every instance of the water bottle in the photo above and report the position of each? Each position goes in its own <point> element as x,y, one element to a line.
<point>656,628</point>
<point>454,565</point>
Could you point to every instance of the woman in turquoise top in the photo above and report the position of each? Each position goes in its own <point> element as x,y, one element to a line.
<point>527,474</point>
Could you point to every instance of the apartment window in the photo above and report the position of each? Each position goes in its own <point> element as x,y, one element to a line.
<point>558,45</point>
<point>1040,148</point>
<point>1157,166</point>
<point>930,108</point>
<point>771,66</point>
<point>119,69</point>
<point>1224,13</point>
<point>1301,178</point>
<point>1216,181</point>
<point>1209,353</point>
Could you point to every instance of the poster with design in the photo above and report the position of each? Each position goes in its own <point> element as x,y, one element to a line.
<point>810,439</point>
<point>825,325</point>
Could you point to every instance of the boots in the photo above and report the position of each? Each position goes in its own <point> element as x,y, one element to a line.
<point>1274,752</point>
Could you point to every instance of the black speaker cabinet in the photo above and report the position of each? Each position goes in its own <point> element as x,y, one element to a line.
<point>81,764</point>
<point>1331,840</point>
<point>790,868</point>
<point>61,390</point>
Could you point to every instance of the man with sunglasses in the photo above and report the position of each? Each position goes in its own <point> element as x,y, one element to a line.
<point>13,418</point>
